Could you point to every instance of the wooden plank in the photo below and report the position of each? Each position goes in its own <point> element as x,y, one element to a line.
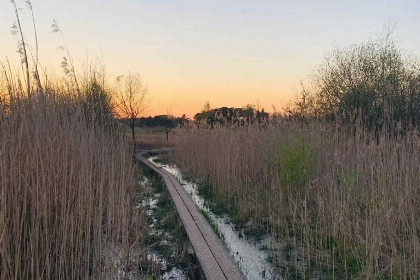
<point>205,256</point>
<point>227,264</point>
<point>213,257</point>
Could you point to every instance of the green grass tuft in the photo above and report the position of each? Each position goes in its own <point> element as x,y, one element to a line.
<point>297,164</point>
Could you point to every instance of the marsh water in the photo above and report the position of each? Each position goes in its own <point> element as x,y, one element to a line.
<point>249,253</point>
<point>170,271</point>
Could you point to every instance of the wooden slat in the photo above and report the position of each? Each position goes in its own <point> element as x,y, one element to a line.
<point>211,253</point>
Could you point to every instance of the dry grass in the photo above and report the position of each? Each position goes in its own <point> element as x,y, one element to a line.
<point>66,191</point>
<point>352,203</point>
<point>154,138</point>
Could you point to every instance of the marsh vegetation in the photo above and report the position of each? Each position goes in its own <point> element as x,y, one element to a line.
<point>349,201</point>
<point>333,181</point>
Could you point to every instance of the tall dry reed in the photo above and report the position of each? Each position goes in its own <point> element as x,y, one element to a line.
<point>349,198</point>
<point>66,190</point>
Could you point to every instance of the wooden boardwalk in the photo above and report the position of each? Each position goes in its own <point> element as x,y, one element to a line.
<point>211,253</point>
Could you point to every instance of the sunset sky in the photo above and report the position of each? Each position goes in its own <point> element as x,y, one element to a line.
<point>229,53</point>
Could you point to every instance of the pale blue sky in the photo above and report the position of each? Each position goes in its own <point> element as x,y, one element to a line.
<point>228,52</point>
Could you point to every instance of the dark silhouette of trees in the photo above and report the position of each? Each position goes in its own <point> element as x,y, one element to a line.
<point>166,121</point>
<point>226,116</point>
<point>160,121</point>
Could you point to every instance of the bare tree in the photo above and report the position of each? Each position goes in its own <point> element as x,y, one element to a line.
<point>131,96</point>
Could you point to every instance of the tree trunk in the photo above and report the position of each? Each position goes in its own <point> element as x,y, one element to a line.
<point>167,133</point>
<point>133,135</point>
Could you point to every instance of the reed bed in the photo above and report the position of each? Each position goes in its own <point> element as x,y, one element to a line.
<point>346,200</point>
<point>67,186</point>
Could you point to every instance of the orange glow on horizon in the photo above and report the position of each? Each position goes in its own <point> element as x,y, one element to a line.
<point>189,99</point>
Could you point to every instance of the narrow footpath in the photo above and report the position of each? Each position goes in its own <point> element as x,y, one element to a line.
<point>214,259</point>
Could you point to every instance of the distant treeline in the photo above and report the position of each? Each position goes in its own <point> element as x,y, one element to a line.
<point>225,116</point>
<point>167,121</point>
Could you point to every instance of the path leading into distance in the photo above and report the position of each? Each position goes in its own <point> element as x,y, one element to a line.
<point>214,259</point>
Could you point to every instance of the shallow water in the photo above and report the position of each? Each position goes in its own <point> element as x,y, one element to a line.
<point>251,255</point>
<point>173,273</point>
<point>115,254</point>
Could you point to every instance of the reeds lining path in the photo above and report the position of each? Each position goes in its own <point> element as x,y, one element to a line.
<point>211,253</point>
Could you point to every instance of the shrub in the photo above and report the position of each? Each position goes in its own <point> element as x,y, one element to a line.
<point>296,163</point>
<point>373,80</point>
